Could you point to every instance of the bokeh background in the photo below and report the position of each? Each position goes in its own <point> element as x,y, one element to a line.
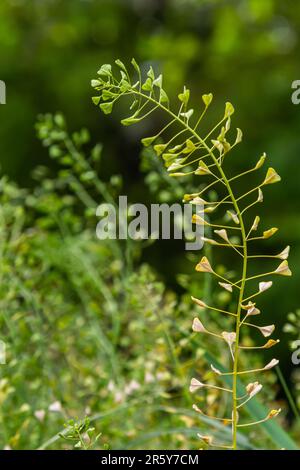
<point>244,51</point>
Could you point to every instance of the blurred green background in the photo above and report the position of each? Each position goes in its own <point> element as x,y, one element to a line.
<point>244,51</point>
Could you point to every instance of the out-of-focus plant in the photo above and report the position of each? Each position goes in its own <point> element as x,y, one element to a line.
<point>87,330</point>
<point>292,327</point>
<point>81,434</point>
<point>188,152</point>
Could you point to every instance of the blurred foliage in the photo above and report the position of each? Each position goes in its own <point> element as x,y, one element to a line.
<point>81,315</point>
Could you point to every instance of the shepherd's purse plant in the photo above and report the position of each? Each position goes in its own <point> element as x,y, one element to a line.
<point>190,150</point>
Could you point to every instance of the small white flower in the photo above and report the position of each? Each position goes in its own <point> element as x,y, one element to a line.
<point>253,389</point>
<point>251,309</point>
<point>195,385</point>
<point>204,266</point>
<point>271,364</point>
<point>284,254</point>
<point>229,337</point>
<point>283,269</point>
<point>198,327</point>
<point>266,330</point>
<point>132,387</point>
<point>55,407</point>
<point>40,415</point>
<point>111,386</point>
<point>149,378</point>
<point>223,234</point>
<point>210,241</point>
<point>119,396</point>
<point>226,286</point>
<point>198,201</point>
<point>265,286</point>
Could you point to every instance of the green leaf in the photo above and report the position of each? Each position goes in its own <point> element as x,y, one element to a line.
<point>96,100</point>
<point>124,86</point>
<point>136,66</point>
<point>108,95</point>
<point>158,81</point>
<point>107,107</point>
<point>105,70</point>
<point>60,120</point>
<point>55,151</point>
<point>175,165</point>
<point>120,64</point>
<point>150,73</point>
<point>207,99</point>
<point>159,148</point>
<point>163,97</point>
<point>147,141</point>
<point>95,83</point>
<point>184,96</point>
<point>261,161</point>
<point>202,169</point>
<point>229,109</point>
<point>239,136</point>
<point>176,148</point>
<point>129,121</point>
<point>189,146</point>
<point>147,86</point>
<point>96,152</point>
<point>169,157</point>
